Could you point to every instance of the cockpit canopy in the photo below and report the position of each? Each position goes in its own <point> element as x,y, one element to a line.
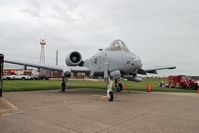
<point>118,45</point>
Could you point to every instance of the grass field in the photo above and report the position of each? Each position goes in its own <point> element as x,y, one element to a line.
<point>31,85</point>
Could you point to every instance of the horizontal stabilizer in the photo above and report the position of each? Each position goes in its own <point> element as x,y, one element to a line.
<point>154,70</point>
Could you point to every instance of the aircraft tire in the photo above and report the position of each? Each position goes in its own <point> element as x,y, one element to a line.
<point>118,89</point>
<point>110,96</point>
<point>63,85</point>
<point>194,86</point>
<point>120,86</point>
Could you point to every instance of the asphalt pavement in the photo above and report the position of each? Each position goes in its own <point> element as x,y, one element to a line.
<point>89,111</point>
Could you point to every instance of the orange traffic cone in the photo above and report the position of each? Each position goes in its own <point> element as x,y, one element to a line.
<point>124,86</point>
<point>149,87</point>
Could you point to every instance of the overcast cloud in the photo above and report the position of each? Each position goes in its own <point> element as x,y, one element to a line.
<point>160,32</point>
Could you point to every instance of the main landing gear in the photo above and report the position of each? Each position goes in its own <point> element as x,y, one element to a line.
<point>107,80</point>
<point>109,83</point>
<point>118,85</point>
<point>63,84</point>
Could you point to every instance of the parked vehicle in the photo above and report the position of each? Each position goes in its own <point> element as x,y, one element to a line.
<point>7,77</point>
<point>194,82</point>
<point>37,77</point>
<point>18,76</point>
<point>183,81</point>
<point>43,78</point>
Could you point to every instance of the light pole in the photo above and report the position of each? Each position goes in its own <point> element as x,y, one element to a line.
<point>1,73</point>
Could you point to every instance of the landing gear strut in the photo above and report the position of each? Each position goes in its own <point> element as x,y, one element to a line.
<point>118,85</point>
<point>109,83</point>
<point>63,84</point>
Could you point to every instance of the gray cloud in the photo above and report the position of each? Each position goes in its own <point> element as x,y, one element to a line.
<point>160,32</point>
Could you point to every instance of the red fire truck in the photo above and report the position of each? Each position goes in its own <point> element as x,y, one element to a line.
<point>183,81</point>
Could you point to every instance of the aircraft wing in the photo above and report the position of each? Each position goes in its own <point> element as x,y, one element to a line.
<point>51,67</point>
<point>154,69</point>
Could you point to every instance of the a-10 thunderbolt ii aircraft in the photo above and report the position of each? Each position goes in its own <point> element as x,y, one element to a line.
<point>112,63</point>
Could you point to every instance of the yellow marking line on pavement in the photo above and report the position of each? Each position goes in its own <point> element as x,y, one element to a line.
<point>6,108</point>
<point>101,96</point>
<point>67,102</point>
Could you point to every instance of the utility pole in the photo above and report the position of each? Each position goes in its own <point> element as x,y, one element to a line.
<point>1,73</point>
<point>57,57</point>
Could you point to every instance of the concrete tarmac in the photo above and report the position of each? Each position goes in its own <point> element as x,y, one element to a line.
<point>89,111</point>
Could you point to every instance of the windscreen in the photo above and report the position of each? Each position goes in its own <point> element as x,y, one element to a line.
<point>118,45</point>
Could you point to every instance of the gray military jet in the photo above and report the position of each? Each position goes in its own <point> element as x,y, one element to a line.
<point>112,63</point>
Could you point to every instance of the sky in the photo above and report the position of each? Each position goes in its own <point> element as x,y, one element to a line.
<point>160,32</point>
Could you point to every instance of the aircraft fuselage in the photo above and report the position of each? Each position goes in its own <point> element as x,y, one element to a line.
<point>125,62</point>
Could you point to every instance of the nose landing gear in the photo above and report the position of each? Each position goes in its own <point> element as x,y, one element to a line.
<point>110,97</point>
<point>109,83</point>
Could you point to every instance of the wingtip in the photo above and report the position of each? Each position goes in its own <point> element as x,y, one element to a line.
<point>172,68</point>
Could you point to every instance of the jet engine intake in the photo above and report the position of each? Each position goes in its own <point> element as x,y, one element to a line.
<point>115,74</point>
<point>74,59</point>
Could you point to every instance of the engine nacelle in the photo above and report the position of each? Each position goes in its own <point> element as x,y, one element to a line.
<point>74,59</point>
<point>115,74</point>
